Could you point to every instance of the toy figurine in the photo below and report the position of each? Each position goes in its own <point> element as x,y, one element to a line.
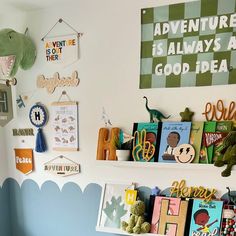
<point>186,115</point>
<point>229,151</point>
<point>136,223</point>
<point>154,114</point>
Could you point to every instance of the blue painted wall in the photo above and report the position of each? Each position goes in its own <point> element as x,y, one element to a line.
<point>48,211</point>
<point>5,226</point>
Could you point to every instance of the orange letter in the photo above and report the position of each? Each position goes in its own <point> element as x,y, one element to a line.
<point>106,149</point>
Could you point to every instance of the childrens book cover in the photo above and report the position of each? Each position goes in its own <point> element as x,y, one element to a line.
<point>146,141</point>
<point>113,207</point>
<point>196,138</point>
<point>206,153</point>
<point>224,126</point>
<point>222,130</point>
<point>206,218</point>
<point>173,134</point>
<point>173,210</point>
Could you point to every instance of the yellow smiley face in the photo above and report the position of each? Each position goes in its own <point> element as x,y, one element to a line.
<point>184,153</point>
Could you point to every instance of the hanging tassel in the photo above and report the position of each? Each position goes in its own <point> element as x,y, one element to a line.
<point>40,142</point>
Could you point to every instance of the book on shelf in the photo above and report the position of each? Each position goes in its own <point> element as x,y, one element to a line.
<point>196,138</point>
<point>146,141</point>
<point>173,134</point>
<point>206,218</point>
<point>222,130</point>
<point>206,152</point>
<point>173,209</point>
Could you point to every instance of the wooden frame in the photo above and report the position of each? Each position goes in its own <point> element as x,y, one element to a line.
<point>65,126</point>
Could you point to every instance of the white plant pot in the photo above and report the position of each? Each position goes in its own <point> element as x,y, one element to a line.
<point>122,155</point>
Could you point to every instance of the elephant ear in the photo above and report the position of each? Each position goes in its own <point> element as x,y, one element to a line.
<point>29,53</point>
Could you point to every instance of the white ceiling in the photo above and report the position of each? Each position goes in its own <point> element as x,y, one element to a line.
<point>29,5</point>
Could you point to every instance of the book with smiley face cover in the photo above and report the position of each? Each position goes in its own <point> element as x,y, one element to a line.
<point>173,134</point>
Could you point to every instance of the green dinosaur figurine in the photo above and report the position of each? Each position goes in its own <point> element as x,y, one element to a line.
<point>154,114</point>
<point>229,154</point>
<point>16,50</point>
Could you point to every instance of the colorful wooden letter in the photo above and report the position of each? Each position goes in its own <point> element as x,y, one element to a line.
<point>180,219</point>
<point>106,149</point>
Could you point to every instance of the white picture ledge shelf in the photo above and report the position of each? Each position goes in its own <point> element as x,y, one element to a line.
<point>158,165</point>
<point>120,232</point>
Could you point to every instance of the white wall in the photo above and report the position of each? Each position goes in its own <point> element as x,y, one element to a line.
<point>109,72</point>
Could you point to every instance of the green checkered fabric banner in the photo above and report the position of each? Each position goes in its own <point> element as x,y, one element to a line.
<point>188,44</point>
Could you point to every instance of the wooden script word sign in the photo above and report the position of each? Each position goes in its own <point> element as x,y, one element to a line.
<point>23,132</point>
<point>179,189</point>
<point>24,160</point>
<point>219,111</point>
<point>56,81</point>
<point>62,166</point>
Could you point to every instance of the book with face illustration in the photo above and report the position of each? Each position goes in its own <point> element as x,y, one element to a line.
<point>206,218</point>
<point>173,134</point>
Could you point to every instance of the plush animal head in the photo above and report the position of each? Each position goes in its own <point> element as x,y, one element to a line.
<point>16,50</point>
<point>138,208</point>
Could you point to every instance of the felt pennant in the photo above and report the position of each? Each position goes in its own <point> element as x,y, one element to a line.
<point>24,160</point>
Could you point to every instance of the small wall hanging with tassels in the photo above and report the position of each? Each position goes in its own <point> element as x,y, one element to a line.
<point>38,117</point>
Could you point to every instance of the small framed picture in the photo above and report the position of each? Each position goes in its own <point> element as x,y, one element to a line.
<point>114,207</point>
<point>6,110</point>
<point>65,126</point>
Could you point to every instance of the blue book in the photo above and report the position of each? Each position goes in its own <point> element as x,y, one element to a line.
<point>206,218</point>
<point>173,134</point>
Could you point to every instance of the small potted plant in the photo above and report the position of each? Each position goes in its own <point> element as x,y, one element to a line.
<point>122,148</point>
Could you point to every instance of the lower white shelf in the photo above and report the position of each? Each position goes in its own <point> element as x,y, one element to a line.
<point>121,232</point>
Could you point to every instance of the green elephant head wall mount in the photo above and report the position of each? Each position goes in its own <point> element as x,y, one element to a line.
<point>16,50</point>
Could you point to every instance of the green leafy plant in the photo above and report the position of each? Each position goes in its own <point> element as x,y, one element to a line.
<point>122,146</point>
